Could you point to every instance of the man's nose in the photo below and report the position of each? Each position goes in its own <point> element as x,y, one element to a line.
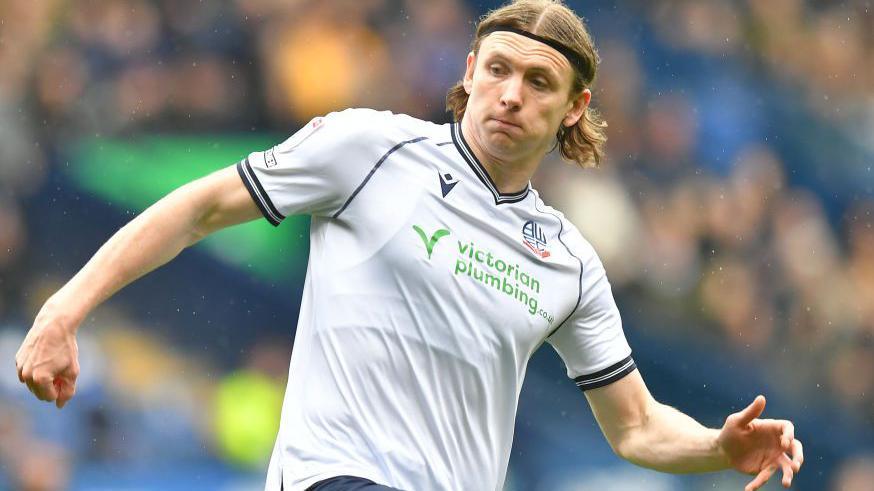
<point>511,97</point>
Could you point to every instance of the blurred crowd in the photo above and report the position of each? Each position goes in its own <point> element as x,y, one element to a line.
<point>696,213</point>
<point>824,47</point>
<point>733,246</point>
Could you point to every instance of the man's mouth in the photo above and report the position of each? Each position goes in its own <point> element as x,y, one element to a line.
<point>504,122</point>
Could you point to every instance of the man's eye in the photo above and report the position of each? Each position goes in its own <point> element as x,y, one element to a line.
<point>496,69</point>
<point>539,83</point>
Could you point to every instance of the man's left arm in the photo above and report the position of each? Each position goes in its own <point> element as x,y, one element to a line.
<point>650,434</point>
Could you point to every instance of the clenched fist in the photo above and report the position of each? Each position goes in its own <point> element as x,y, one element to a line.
<point>48,359</point>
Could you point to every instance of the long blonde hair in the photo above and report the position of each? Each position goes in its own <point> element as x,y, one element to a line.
<point>583,142</point>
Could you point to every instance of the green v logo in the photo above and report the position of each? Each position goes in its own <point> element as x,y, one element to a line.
<point>430,243</point>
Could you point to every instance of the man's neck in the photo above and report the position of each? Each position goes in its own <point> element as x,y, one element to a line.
<point>509,176</point>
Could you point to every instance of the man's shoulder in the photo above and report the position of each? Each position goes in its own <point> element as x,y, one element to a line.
<point>358,135</point>
<point>568,233</point>
<point>371,122</point>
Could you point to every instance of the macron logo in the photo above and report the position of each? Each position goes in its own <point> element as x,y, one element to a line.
<point>446,183</point>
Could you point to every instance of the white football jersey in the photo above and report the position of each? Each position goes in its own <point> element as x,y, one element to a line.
<point>426,294</point>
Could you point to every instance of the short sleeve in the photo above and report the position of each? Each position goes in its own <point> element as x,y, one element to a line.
<point>316,169</point>
<point>591,342</point>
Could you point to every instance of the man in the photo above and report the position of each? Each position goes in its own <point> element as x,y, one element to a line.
<point>435,272</point>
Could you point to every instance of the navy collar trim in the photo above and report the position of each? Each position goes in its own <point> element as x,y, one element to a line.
<point>480,171</point>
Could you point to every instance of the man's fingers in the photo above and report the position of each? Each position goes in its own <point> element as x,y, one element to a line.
<point>788,472</point>
<point>751,412</point>
<point>797,455</point>
<point>66,391</point>
<point>787,436</point>
<point>19,366</point>
<point>27,377</point>
<point>761,478</point>
<point>44,387</point>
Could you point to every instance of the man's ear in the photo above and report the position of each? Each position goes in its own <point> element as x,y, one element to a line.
<point>468,72</point>
<point>578,108</point>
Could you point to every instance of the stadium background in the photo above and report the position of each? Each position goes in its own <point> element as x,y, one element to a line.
<point>734,216</point>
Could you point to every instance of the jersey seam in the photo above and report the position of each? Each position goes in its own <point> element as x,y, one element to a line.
<point>373,171</point>
<point>579,282</point>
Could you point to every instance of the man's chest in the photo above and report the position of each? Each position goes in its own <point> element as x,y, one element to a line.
<point>433,238</point>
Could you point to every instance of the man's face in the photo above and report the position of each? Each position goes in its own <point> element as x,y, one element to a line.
<point>520,92</point>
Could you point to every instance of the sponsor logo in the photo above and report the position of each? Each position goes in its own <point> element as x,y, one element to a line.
<point>534,239</point>
<point>446,183</point>
<point>435,237</point>
<point>502,275</point>
<point>492,272</point>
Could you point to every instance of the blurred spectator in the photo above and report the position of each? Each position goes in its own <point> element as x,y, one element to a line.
<point>731,293</point>
<point>856,474</point>
<point>607,217</point>
<point>30,464</point>
<point>618,92</point>
<point>860,264</point>
<point>13,243</point>
<point>248,404</point>
<point>669,132</point>
<point>28,24</point>
<point>711,27</point>
<point>40,466</point>
<point>428,55</point>
<point>323,58</point>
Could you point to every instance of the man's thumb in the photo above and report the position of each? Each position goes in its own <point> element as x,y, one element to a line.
<point>751,412</point>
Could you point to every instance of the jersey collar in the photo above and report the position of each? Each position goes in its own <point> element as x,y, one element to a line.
<point>480,171</point>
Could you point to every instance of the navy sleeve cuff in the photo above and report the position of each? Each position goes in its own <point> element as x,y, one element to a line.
<point>606,376</point>
<point>258,194</point>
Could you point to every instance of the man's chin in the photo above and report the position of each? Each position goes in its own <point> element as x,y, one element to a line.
<point>505,135</point>
<point>503,142</point>
<point>505,148</point>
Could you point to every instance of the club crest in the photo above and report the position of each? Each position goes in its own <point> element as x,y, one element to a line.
<point>534,239</point>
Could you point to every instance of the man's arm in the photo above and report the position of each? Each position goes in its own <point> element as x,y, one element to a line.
<point>48,358</point>
<point>650,434</point>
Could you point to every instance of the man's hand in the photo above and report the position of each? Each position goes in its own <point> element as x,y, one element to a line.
<point>48,360</point>
<point>760,446</point>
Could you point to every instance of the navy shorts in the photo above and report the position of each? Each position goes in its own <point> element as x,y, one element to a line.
<point>348,483</point>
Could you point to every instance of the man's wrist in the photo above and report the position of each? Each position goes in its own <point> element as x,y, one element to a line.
<point>719,451</point>
<point>66,312</point>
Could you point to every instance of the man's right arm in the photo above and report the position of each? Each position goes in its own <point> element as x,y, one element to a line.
<point>47,360</point>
